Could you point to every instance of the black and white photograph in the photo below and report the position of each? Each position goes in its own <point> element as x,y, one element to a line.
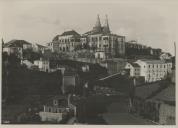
<point>86,62</point>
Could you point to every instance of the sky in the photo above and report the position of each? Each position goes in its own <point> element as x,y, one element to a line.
<point>150,23</point>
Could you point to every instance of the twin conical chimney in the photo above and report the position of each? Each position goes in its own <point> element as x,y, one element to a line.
<point>106,26</point>
<point>99,28</point>
<point>98,23</point>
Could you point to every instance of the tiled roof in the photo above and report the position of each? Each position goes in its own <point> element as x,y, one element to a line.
<point>16,43</point>
<point>135,65</point>
<point>153,61</point>
<point>40,45</point>
<point>72,32</point>
<point>49,102</point>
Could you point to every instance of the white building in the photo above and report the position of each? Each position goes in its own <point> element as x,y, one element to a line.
<point>39,48</point>
<point>165,56</point>
<point>67,41</point>
<point>134,69</point>
<point>43,65</point>
<point>154,70</point>
<point>27,63</point>
<point>55,110</point>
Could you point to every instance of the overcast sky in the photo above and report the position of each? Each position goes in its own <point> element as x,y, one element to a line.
<point>152,24</point>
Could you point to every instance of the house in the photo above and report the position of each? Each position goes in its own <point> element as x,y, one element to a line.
<point>39,48</point>
<point>43,65</point>
<point>16,47</point>
<point>57,108</point>
<point>154,70</point>
<point>113,66</point>
<point>165,56</point>
<point>85,68</point>
<point>134,69</point>
<point>27,63</point>
<point>65,42</point>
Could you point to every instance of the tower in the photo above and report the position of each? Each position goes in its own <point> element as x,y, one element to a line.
<point>106,26</point>
<point>97,27</point>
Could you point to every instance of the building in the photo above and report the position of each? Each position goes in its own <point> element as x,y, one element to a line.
<point>16,47</point>
<point>165,56</point>
<point>27,63</point>
<point>134,69</point>
<point>39,48</point>
<point>113,66</point>
<point>103,42</point>
<point>154,70</point>
<point>57,109</point>
<point>67,41</point>
<point>43,65</point>
<point>133,48</point>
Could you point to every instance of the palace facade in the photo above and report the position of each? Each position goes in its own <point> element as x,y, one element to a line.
<point>103,42</point>
<point>100,40</point>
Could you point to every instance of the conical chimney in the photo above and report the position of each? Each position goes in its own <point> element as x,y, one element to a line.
<point>106,26</point>
<point>97,26</point>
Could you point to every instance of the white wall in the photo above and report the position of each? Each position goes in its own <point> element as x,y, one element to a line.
<point>48,116</point>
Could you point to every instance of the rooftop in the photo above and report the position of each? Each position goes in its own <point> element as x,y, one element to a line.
<point>16,43</point>
<point>40,45</point>
<point>153,61</point>
<point>72,32</point>
<point>135,65</point>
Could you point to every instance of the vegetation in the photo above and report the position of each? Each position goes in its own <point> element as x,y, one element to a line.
<point>23,88</point>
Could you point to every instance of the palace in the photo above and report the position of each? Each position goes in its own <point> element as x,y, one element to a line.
<point>103,42</point>
<point>100,40</point>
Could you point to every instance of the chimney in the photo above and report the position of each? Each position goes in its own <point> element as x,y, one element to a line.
<point>97,26</point>
<point>106,26</point>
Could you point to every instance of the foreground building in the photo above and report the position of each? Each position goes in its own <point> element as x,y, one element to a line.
<point>57,109</point>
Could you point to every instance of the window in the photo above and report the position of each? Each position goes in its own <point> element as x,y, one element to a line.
<point>55,102</point>
<point>50,110</point>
